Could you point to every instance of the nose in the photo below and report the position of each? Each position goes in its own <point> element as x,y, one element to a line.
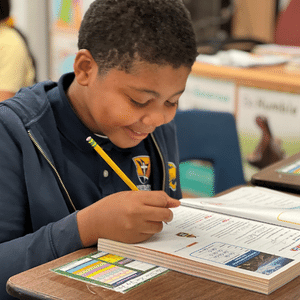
<point>154,118</point>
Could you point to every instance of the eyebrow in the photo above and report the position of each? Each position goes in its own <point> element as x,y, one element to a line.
<point>154,93</point>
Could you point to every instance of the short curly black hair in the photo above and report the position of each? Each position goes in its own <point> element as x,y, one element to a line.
<point>4,9</point>
<point>119,32</point>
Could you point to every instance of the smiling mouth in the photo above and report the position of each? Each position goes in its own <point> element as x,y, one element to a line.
<point>137,134</point>
<point>140,133</point>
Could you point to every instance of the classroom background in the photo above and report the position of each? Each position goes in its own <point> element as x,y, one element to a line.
<point>51,27</point>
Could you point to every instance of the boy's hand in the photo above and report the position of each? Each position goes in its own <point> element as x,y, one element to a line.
<point>128,217</point>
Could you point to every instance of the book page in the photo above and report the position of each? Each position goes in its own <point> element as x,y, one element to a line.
<point>220,239</point>
<point>254,203</point>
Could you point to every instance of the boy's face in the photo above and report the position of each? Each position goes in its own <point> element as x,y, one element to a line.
<point>127,107</point>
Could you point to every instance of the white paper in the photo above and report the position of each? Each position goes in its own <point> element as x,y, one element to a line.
<point>254,203</point>
<point>195,229</point>
<point>239,58</point>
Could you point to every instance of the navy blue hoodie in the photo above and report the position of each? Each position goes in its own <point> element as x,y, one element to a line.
<point>48,173</point>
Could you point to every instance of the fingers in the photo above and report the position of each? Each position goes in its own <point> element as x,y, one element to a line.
<point>158,199</point>
<point>156,206</point>
<point>173,203</point>
<point>152,228</point>
<point>157,214</point>
<point>130,216</point>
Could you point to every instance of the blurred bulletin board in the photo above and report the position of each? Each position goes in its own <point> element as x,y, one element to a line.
<point>66,16</point>
<point>208,94</point>
<point>282,113</point>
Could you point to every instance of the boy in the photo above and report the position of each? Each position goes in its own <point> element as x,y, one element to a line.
<point>57,194</point>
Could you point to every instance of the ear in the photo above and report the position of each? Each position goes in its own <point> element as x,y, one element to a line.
<point>84,66</point>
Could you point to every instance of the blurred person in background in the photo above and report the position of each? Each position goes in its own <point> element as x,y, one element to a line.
<point>17,68</point>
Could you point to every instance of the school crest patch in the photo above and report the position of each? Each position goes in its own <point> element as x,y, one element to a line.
<point>172,176</point>
<point>143,168</point>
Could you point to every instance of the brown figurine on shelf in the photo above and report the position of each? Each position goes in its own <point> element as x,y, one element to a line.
<point>268,150</point>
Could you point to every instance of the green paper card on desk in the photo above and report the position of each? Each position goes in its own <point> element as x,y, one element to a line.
<point>110,271</point>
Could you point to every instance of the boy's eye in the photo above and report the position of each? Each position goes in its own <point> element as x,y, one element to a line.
<point>138,104</point>
<point>171,104</point>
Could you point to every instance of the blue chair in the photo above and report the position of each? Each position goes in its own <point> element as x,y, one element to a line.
<point>211,136</point>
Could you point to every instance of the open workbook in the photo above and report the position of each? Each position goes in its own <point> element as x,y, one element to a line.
<point>248,238</point>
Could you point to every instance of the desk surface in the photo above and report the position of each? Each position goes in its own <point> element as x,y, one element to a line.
<point>41,283</point>
<point>267,77</point>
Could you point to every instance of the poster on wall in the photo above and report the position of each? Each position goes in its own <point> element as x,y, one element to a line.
<point>208,94</point>
<point>267,123</point>
<point>66,16</point>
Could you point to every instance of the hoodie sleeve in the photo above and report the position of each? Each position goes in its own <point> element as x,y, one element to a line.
<point>35,223</point>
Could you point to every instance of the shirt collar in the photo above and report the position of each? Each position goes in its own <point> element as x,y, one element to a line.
<point>69,125</point>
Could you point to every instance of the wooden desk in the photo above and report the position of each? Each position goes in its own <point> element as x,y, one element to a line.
<point>41,283</point>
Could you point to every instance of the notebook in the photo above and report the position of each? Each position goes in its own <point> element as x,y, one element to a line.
<point>283,175</point>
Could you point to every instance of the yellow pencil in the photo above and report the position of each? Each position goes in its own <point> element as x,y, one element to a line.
<point>111,163</point>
